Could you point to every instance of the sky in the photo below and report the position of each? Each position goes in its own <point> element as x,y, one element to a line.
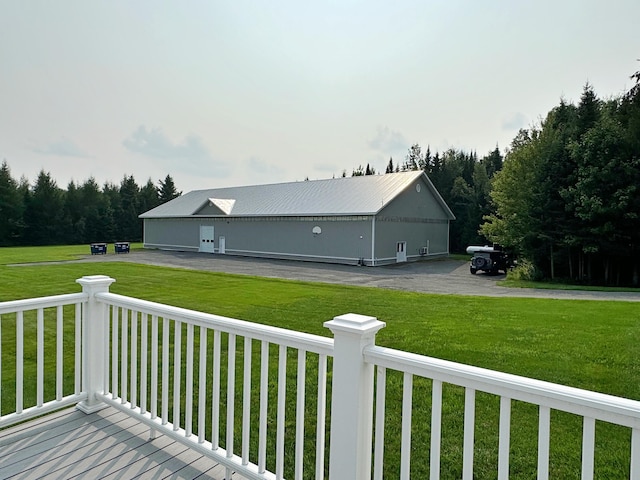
<point>246,92</point>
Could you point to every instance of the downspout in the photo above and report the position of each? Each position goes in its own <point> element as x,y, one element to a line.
<point>373,240</point>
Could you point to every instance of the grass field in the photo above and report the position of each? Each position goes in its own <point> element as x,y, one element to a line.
<point>586,344</point>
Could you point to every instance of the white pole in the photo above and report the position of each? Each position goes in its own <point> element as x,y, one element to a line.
<point>351,397</point>
<point>93,341</point>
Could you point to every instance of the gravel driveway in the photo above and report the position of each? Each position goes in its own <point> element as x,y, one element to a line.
<point>442,276</point>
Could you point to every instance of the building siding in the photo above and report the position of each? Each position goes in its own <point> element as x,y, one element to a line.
<point>342,241</point>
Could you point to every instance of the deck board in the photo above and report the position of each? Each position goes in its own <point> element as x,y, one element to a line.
<point>107,444</point>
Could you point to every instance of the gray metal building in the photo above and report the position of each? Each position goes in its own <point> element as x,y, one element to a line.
<point>367,220</point>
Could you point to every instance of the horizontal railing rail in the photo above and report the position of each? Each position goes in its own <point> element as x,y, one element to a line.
<point>591,406</point>
<point>199,379</point>
<point>57,372</point>
<point>41,302</point>
<point>275,335</point>
<point>600,406</point>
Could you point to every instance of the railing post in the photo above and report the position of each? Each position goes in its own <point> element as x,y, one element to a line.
<point>351,397</point>
<point>93,342</point>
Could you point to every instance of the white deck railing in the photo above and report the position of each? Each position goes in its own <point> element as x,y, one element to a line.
<point>32,394</point>
<point>590,406</point>
<point>217,385</point>
<point>189,398</point>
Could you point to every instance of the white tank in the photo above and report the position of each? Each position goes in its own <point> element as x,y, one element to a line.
<point>476,248</point>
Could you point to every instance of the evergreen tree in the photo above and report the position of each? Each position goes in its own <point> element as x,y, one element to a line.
<point>588,110</point>
<point>73,215</point>
<point>98,222</point>
<point>167,190</point>
<point>389,166</point>
<point>414,159</point>
<point>358,172</point>
<point>11,208</point>
<point>43,212</point>
<point>149,197</point>
<point>113,214</point>
<point>130,224</point>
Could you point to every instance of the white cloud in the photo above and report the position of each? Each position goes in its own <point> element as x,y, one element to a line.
<point>154,143</point>
<point>190,155</point>
<point>256,165</point>
<point>514,121</point>
<point>62,147</point>
<point>388,141</point>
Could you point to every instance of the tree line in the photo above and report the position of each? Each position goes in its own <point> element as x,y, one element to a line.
<point>568,197</point>
<point>45,214</point>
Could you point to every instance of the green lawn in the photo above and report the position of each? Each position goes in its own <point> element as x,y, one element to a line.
<point>586,344</point>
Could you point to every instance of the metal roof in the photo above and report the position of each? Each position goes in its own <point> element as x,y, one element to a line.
<point>362,195</point>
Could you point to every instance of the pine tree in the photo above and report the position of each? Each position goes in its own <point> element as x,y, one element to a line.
<point>167,190</point>
<point>358,172</point>
<point>130,224</point>
<point>11,208</point>
<point>389,166</point>
<point>149,197</point>
<point>43,212</point>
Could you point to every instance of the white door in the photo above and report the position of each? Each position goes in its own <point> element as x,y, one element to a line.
<point>206,239</point>
<point>221,244</point>
<point>401,252</point>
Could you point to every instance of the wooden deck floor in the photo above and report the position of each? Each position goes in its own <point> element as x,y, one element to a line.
<point>106,444</point>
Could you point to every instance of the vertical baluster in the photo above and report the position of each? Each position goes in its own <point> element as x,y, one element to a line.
<point>188,411</point>
<point>282,391</point>
<point>300,412</point>
<point>78,352</point>
<point>114,352</point>
<point>0,365</point>
<point>19,361</point>
<point>154,366</point>
<point>405,447</point>
<point>177,367</point>
<point>505,438</point>
<point>588,447</point>
<point>124,352</point>
<point>143,361</point>
<point>59,357</point>
<point>264,398</point>
<point>246,401</point>
<point>381,389</point>
<point>134,359</point>
<point>635,454</point>
<point>231,390</point>
<point>154,373</point>
<point>165,372</point>
<point>106,330</point>
<point>40,357</point>
<point>215,393</point>
<point>544,429</point>
<point>469,427</point>
<point>436,429</point>
<point>321,415</point>
<point>202,385</point>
